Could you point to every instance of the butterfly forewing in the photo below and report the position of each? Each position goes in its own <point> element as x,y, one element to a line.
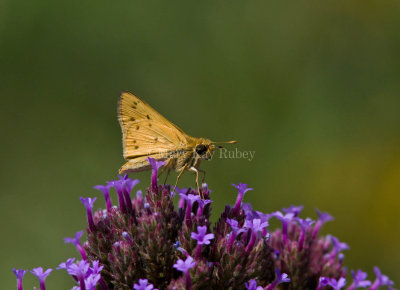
<point>145,131</point>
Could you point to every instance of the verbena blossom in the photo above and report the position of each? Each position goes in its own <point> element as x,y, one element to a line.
<point>252,285</point>
<point>145,242</point>
<point>337,284</point>
<point>143,285</point>
<point>20,275</point>
<point>76,241</point>
<point>41,275</point>
<point>359,280</point>
<point>381,280</point>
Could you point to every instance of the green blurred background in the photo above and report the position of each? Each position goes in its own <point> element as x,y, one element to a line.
<point>311,86</point>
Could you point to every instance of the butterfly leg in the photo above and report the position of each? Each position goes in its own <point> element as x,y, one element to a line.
<point>166,177</point>
<point>161,171</point>
<point>197,180</point>
<point>179,176</point>
<point>204,175</point>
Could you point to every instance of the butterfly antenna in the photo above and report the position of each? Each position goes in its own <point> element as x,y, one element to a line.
<point>226,142</point>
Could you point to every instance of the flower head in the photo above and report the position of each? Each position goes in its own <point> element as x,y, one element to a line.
<point>148,239</point>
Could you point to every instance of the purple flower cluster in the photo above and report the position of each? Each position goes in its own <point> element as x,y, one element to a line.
<point>145,243</point>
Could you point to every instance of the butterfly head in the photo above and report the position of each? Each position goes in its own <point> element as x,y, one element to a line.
<point>204,149</point>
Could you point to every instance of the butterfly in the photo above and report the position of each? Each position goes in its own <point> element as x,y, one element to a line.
<point>146,133</point>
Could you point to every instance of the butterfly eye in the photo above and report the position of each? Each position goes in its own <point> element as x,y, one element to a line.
<point>201,149</point>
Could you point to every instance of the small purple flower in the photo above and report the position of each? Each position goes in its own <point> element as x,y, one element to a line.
<point>125,177</point>
<point>285,219</point>
<point>337,284</point>
<point>143,285</point>
<point>323,281</point>
<point>293,209</point>
<point>38,272</point>
<point>337,246</point>
<point>359,280</point>
<point>80,270</point>
<point>252,285</point>
<point>185,266</point>
<point>381,280</point>
<point>88,203</point>
<point>280,278</point>
<point>66,264</point>
<point>202,204</point>
<point>156,165</point>
<point>181,192</point>
<point>242,189</point>
<point>190,200</point>
<point>304,225</point>
<point>235,232</point>
<point>105,189</point>
<point>96,267</point>
<point>323,217</point>
<point>201,237</point>
<point>127,237</point>
<point>76,241</point>
<point>91,281</point>
<point>255,226</point>
<point>130,184</point>
<point>119,186</point>
<point>20,275</point>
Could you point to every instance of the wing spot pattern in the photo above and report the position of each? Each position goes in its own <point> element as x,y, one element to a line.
<point>137,127</point>
<point>136,147</point>
<point>132,119</point>
<point>148,117</point>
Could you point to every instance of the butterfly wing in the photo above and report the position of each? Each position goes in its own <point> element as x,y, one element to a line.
<point>145,131</point>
